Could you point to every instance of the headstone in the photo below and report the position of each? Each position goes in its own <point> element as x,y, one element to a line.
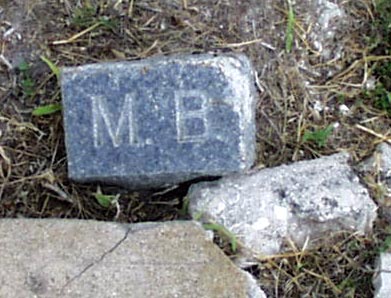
<point>74,258</point>
<point>159,121</point>
<point>304,200</point>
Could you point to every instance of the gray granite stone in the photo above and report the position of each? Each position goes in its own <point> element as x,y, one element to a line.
<point>299,202</point>
<point>70,258</point>
<point>159,121</point>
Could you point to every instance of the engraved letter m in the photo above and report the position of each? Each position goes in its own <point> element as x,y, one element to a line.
<point>102,118</point>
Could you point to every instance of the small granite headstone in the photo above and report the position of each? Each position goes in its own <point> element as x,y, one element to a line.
<point>159,121</point>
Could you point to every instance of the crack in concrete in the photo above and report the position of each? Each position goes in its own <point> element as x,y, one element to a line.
<point>94,263</point>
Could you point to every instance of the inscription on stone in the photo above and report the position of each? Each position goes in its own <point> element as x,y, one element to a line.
<point>159,121</point>
<point>122,132</point>
<point>191,115</point>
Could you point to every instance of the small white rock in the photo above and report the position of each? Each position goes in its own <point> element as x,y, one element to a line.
<point>344,110</point>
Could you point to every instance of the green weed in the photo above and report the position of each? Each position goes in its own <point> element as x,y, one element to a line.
<point>53,67</point>
<point>185,207</point>
<point>106,201</point>
<point>341,98</point>
<point>380,44</point>
<point>385,247</point>
<point>319,137</point>
<point>50,108</point>
<point>24,67</point>
<point>28,86</point>
<point>88,16</point>
<point>26,83</point>
<point>224,233</point>
<point>383,21</point>
<point>290,29</point>
<point>347,283</point>
<point>383,71</point>
<point>84,17</point>
<point>47,109</point>
<point>381,98</point>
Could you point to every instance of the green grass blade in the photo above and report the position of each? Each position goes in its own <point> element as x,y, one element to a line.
<point>290,28</point>
<point>319,136</point>
<point>52,67</point>
<point>24,66</point>
<point>47,110</point>
<point>104,200</point>
<point>223,232</point>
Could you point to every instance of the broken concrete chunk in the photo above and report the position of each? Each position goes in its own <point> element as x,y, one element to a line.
<point>159,121</point>
<point>304,199</point>
<point>377,168</point>
<point>329,20</point>
<point>70,258</point>
<point>382,279</point>
<point>379,162</point>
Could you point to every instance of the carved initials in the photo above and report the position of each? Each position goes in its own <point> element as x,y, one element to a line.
<point>182,114</point>
<point>123,130</point>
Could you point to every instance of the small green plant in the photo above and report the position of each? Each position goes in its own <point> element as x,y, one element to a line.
<point>386,245</point>
<point>382,22</point>
<point>53,67</point>
<point>224,233</point>
<point>27,84</point>
<point>185,207</point>
<point>319,137</point>
<point>50,108</point>
<point>198,216</point>
<point>84,16</point>
<point>106,201</point>
<point>383,70</point>
<point>290,29</point>
<point>47,109</point>
<point>341,98</point>
<point>380,44</point>
<point>87,16</point>
<point>347,283</point>
<point>24,67</point>
<point>381,98</point>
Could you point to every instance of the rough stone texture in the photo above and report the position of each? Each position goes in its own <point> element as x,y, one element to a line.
<point>378,169</point>
<point>328,20</point>
<point>308,198</point>
<point>70,258</point>
<point>159,121</point>
<point>382,279</point>
<point>380,162</point>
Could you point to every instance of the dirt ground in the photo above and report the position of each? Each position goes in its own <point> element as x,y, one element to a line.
<point>301,93</point>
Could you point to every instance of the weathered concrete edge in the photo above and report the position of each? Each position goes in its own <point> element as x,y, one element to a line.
<point>253,289</point>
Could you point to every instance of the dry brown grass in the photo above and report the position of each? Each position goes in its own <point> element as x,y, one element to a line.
<point>33,175</point>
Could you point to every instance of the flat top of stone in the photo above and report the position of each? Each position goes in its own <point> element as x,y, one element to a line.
<point>159,119</point>
<point>71,258</point>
